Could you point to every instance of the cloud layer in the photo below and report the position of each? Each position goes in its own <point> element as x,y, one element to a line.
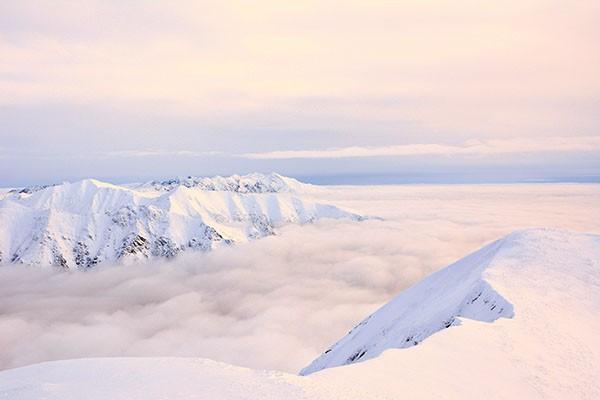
<point>278,302</point>
<point>472,147</point>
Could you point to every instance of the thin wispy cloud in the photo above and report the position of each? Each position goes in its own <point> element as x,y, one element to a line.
<point>471,147</point>
<point>159,152</point>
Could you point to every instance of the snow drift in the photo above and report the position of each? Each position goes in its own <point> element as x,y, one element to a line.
<point>81,224</point>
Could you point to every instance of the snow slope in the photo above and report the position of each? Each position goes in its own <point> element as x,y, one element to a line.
<point>473,288</point>
<point>431,305</point>
<point>78,225</point>
<point>546,348</point>
<point>536,264</point>
<point>157,378</point>
<point>549,349</point>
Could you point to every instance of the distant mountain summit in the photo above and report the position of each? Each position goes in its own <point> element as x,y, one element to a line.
<point>81,224</point>
<point>251,183</point>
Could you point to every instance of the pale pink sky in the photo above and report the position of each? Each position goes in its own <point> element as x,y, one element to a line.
<point>220,80</point>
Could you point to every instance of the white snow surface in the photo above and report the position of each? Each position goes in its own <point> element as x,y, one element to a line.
<point>479,287</point>
<point>545,344</point>
<point>435,303</point>
<point>81,224</point>
<point>251,183</point>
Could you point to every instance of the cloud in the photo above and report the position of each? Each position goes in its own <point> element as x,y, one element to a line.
<point>277,302</point>
<point>158,152</point>
<point>472,147</point>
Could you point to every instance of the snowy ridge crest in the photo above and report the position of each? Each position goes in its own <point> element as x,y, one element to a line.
<point>433,304</point>
<point>82,224</point>
<point>251,183</point>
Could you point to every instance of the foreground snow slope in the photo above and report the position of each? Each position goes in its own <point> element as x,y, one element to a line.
<point>159,378</point>
<point>78,225</point>
<point>481,287</point>
<point>549,349</point>
<point>435,303</point>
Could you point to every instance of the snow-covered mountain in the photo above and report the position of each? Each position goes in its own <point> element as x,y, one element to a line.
<point>251,183</point>
<point>543,345</point>
<point>81,224</point>
<point>471,288</point>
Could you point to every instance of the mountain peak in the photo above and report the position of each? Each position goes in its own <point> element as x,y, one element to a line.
<point>93,182</point>
<point>250,183</point>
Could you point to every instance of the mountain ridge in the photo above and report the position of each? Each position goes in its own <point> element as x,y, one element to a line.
<point>462,290</point>
<point>82,224</point>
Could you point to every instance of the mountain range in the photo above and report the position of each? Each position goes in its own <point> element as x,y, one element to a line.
<point>79,225</point>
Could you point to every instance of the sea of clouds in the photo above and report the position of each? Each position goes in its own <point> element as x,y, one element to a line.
<point>278,302</point>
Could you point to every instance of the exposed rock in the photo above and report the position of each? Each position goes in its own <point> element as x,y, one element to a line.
<point>164,247</point>
<point>82,256</point>
<point>124,216</point>
<point>261,226</point>
<point>252,183</point>
<point>134,244</point>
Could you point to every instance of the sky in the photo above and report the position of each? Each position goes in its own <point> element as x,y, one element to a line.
<point>277,302</point>
<point>412,91</point>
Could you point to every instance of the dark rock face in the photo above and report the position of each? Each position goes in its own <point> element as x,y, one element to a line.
<point>134,244</point>
<point>82,256</point>
<point>31,189</point>
<point>254,183</point>
<point>59,260</point>
<point>165,247</point>
<point>261,226</point>
<point>356,356</point>
<point>211,234</point>
<point>208,235</point>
